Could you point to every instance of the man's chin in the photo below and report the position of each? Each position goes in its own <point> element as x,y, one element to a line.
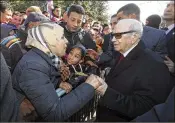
<point>74,30</point>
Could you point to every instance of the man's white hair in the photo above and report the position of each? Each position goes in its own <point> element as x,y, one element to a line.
<point>132,25</point>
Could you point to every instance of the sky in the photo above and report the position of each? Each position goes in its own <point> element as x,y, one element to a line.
<point>147,7</point>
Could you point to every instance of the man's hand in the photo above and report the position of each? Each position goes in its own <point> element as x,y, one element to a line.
<point>66,86</point>
<point>169,64</point>
<point>92,80</point>
<point>101,89</point>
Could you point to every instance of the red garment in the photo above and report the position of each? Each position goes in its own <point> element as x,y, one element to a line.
<point>120,59</point>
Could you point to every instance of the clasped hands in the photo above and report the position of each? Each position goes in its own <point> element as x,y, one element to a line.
<point>98,83</point>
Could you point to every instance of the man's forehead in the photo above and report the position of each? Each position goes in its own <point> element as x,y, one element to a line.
<point>113,19</point>
<point>76,15</point>
<point>121,27</point>
<point>119,14</point>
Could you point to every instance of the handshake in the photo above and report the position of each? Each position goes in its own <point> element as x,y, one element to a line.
<point>98,83</point>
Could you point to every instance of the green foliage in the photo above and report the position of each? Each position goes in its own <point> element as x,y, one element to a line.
<point>94,9</point>
<point>22,5</point>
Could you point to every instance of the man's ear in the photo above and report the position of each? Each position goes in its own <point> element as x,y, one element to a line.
<point>134,38</point>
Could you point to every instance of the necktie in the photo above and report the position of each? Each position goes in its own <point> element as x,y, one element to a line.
<point>120,59</point>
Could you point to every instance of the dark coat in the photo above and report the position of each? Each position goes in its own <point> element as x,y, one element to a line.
<point>170,44</point>
<point>74,38</point>
<point>23,37</point>
<point>12,55</point>
<point>9,109</point>
<point>160,113</point>
<point>36,78</point>
<point>134,86</point>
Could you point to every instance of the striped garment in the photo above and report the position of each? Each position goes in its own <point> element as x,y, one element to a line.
<point>10,41</point>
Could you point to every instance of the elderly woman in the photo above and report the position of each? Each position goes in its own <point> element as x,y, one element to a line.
<point>37,75</point>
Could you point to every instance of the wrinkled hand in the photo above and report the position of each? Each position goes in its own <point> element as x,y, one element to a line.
<point>92,80</point>
<point>169,64</point>
<point>101,89</point>
<point>65,72</point>
<point>66,86</point>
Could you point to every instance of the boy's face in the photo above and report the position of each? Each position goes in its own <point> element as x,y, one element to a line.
<point>74,57</point>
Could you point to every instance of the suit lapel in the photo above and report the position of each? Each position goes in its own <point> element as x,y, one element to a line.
<point>126,62</point>
<point>170,34</point>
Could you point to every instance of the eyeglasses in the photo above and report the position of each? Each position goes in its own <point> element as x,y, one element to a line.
<point>119,35</point>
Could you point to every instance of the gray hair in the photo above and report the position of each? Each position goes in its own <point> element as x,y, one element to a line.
<point>132,25</point>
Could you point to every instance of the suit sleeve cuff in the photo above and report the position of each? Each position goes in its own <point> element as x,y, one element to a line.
<point>110,94</point>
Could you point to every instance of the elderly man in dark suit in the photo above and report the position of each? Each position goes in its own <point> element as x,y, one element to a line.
<point>152,39</point>
<point>136,82</point>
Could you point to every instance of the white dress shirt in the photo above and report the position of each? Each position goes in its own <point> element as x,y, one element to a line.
<point>170,27</point>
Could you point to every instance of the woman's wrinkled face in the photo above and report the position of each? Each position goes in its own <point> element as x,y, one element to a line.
<point>74,56</point>
<point>61,46</point>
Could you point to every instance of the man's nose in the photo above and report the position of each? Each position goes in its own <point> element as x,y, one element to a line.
<point>114,39</point>
<point>75,24</point>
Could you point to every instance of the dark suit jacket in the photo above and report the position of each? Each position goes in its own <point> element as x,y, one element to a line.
<point>155,40</point>
<point>134,86</point>
<point>170,44</point>
<point>160,113</point>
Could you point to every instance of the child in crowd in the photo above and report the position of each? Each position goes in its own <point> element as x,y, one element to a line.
<point>78,70</point>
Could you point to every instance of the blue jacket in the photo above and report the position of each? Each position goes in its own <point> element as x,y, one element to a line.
<point>36,78</point>
<point>155,40</point>
<point>8,106</point>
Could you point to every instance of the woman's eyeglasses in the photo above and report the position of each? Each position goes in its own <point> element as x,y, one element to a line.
<point>119,35</point>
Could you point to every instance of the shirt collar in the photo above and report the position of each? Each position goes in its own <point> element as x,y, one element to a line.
<point>127,52</point>
<point>170,27</point>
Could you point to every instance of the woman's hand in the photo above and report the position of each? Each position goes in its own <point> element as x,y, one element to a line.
<point>66,86</point>
<point>65,73</point>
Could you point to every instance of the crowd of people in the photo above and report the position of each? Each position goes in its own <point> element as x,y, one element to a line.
<point>128,64</point>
